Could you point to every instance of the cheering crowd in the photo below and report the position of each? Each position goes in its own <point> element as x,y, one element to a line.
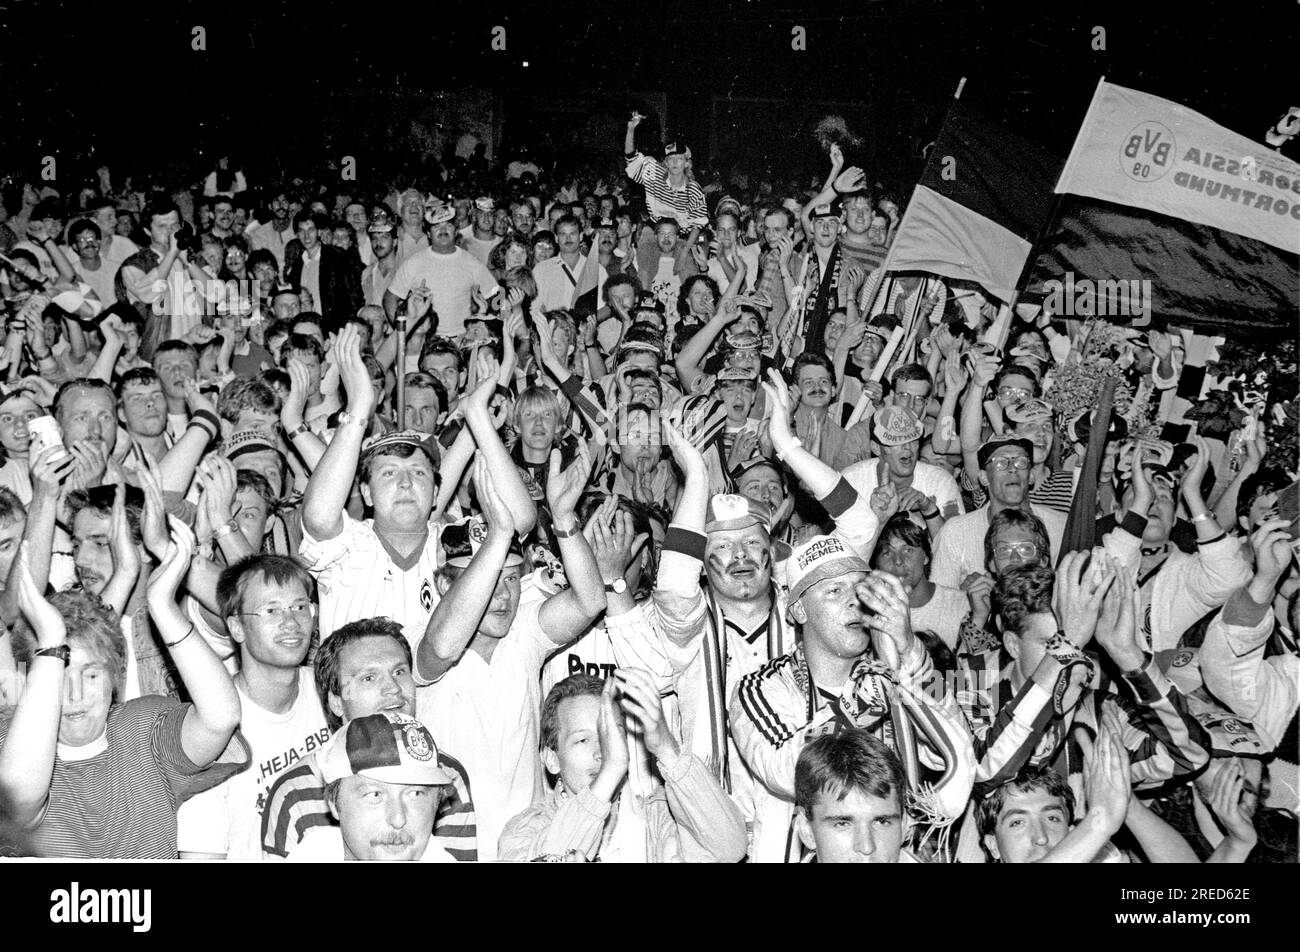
<point>552,515</point>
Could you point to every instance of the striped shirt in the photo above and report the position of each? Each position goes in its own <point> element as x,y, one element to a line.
<point>121,801</point>
<point>359,576</point>
<point>686,205</point>
<point>1014,728</point>
<point>295,805</point>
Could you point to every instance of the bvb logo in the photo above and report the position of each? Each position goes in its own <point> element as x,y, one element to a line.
<point>1147,152</point>
<point>416,743</point>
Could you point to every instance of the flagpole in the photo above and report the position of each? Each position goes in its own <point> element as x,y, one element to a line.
<point>889,255</point>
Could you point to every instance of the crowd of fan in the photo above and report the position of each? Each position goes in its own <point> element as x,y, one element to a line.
<point>536,517</point>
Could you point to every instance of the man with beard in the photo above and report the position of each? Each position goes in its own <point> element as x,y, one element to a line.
<point>484,647</point>
<point>1005,472</point>
<point>857,665</point>
<point>478,237</point>
<point>450,273</point>
<point>558,278</point>
<point>278,232</point>
<point>922,488</point>
<point>364,668</point>
<point>383,266</point>
<point>734,625</point>
<point>522,217</point>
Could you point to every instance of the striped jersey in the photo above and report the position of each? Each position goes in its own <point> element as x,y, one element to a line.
<point>119,799</point>
<point>359,576</point>
<point>686,205</point>
<point>295,806</point>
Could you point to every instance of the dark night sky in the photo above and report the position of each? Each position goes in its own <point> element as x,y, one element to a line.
<point>80,74</point>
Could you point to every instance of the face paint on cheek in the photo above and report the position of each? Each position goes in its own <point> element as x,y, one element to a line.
<point>716,563</point>
<point>764,559</point>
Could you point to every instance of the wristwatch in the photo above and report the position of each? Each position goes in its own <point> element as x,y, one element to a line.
<point>618,586</point>
<point>566,533</point>
<point>301,428</point>
<point>62,652</point>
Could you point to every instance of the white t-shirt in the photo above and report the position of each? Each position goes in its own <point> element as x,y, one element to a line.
<point>959,546</point>
<point>942,614</point>
<point>228,818</point>
<point>450,278</point>
<point>931,480</point>
<point>479,249</point>
<point>357,576</point>
<point>554,289</point>
<point>488,717</point>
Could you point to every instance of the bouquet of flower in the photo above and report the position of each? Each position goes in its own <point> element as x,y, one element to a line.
<point>1076,385</point>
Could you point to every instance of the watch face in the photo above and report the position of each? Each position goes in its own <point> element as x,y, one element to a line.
<point>618,586</point>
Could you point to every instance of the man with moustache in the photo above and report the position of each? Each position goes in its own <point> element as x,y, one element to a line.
<point>278,232</point>
<point>449,272</point>
<point>478,237</point>
<point>364,668</point>
<point>558,277</point>
<point>382,269</point>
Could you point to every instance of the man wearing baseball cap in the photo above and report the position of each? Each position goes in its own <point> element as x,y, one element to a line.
<point>385,565</point>
<point>383,785</point>
<point>477,237</point>
<point>450,274</point>
<point>1005,472</point>
<point>670,190</point>
<point>857,664</point>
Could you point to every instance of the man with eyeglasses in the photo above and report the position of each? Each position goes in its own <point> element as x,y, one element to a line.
<point>1004,471</point>
<point>268,604</point>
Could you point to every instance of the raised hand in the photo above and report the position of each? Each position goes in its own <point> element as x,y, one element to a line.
<point>1078,596</point>
<point>611,731</point>
<point>613,542</point>
<point>884,501</point>
<point>837,156</point>
<point>296,402</point>
<point>1271,543</point>
<point>1106,777</point>
<point>639,698</point>
<point>49,469</point>
<point>196,399</point>
<point>782,400</point>
<point>850,180</point>
<point>175,564</point>
<point>1200,463</point>
<point>153,519</point>
<point>217,481</point>
<point>890,619</point>
<point>979,592</point>
<point>353,373</point>
<point>1225,800</point>
<point>1117,631</point>
<point>564,489</point>
<point>685,453</point>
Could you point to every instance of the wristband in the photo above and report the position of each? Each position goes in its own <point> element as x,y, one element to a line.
<point>1203,517</point>
<point>1063,680</point>
<point>566,533</point>
<point>930,515</point>
<point>173,644</point>
<point>62,652</point>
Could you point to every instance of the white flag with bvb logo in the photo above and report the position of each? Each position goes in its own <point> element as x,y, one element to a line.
<point>1146,152</point>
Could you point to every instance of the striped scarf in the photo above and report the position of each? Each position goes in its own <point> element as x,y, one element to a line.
<point>816,301</point>
<point>780,641</point>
